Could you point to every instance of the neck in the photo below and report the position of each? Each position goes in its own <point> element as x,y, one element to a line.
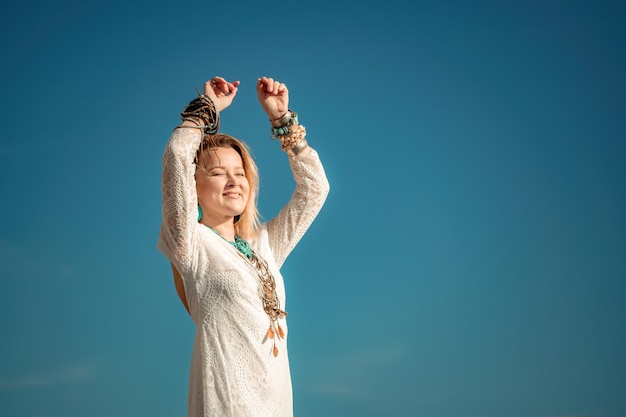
<point>225,229</point>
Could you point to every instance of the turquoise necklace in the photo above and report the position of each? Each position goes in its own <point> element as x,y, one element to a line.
<point>239,243</point>
<point>242,246</point>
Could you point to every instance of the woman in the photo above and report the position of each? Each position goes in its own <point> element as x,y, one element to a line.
<point>225,262</point>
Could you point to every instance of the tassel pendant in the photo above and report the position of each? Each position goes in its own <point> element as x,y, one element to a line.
<point>274,333</point>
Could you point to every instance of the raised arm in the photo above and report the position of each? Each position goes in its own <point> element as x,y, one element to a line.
<point>286,229</point>
<point>179,197</point>
<point>312,187</point>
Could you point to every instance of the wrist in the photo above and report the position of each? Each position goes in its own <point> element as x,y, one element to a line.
<point>192,122</point>
<point>279,118</point>
<point>218,106</point>
<point>283,124</point>
<point>202,113</point>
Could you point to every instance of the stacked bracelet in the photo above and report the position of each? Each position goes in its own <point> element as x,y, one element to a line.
<point>290,134</point>
<point>283,125</point>
<point>283,120</point>
<point>203,113</point>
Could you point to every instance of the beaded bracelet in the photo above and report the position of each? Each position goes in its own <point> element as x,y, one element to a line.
<point>294,142</point>
<point>286,127</point>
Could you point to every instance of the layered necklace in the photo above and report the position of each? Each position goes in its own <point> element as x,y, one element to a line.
<point>271,303</point>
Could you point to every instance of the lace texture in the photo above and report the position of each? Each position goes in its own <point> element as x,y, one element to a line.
<point>233,371</point>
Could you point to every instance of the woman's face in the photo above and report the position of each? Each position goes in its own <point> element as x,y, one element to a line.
<point>222,186</point>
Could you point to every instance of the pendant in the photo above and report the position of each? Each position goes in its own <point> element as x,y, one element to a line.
<point>271,335</point>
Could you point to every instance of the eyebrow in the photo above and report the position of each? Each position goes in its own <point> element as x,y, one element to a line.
<point>222,167</point>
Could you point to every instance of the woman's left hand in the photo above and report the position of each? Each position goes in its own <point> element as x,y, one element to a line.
<point>273,96</point>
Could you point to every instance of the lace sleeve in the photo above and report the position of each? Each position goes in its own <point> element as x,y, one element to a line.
<point>180,202</point>
<point>288,227</point>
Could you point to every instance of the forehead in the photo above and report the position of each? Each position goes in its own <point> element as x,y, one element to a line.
<point>221,156</point>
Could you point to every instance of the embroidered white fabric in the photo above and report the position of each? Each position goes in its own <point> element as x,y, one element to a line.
<point>233,372</point>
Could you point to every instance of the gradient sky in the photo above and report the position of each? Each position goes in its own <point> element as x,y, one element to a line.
<point>471,257</point>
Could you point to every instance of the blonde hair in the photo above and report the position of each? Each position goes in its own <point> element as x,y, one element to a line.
<point>248,223</point>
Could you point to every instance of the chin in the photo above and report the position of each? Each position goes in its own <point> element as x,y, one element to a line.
<point>236,213</point>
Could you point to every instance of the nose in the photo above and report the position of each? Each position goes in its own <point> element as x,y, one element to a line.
<point>232,180</point>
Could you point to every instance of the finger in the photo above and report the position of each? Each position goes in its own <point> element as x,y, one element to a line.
<point>220,85</point>
<point>260,82</point>
<point>263,86</point>
<point>276,87</point>
<point>232,88</point>
<point>219,80</point>
<point>211,86</point>
<point>259,88</point>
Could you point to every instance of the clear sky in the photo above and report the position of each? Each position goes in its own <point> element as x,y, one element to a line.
<point>471,257</point>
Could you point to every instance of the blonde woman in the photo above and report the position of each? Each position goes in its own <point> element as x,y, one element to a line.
<point>226,263</point>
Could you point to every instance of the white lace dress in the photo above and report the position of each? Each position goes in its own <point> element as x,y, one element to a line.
<point>233,371</point>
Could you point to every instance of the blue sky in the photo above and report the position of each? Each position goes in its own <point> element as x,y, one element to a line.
<point>471,257</point>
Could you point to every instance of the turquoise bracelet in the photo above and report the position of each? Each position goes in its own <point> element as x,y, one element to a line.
<point>284,129</point>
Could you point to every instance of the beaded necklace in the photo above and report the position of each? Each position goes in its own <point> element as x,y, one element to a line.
<point>271,303</point>
<point>242,246</point>
<point>239,243</point>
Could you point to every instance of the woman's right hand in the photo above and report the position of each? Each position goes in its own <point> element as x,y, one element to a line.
<point>221,92</point>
